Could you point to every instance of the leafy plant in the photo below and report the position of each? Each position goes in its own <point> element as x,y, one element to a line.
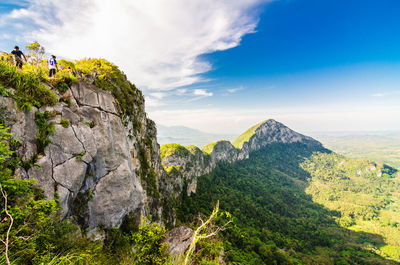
<point>45,129</point>
<point>64,123</point>
<point>90,124</point>
<point>80,156</point>
<point>62,87</point>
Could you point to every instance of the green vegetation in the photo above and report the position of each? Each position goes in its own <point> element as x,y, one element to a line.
<point>64,123</point>
<point>80,156</point>
<point>149,245</point>
<point>147,174</point>
<point>209,147</point>
<point>192,149</point>
<point>172,149</point>
<point>45,129</point>
<point>290,203</point>
<point>90,124</point>
<point>245,137</point>
<point>29,87</point>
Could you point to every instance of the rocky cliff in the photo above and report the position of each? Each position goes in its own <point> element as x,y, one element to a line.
<point>100,165</point>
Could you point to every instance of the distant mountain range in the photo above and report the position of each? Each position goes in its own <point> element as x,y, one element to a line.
<point>377,146</point>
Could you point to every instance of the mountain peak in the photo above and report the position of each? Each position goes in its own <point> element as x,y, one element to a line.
<point>271,131</point>
<point>245,137</point>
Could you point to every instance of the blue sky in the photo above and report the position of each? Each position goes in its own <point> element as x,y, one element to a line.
<point>315,65</point>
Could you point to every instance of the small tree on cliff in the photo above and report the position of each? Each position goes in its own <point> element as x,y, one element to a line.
<point>36,53</point>
<point>206,230</point>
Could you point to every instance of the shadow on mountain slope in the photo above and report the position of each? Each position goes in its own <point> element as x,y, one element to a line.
<point>277,221</point>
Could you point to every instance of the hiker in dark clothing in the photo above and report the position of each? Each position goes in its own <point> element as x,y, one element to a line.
<point>18,57</point>
<point>52,65</point>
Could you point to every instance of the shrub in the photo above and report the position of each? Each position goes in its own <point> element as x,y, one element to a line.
<point>45,129</point>
<point>62,87</point>
<point>91,124</point>
<point>64,123</point>
<point>149,244</point>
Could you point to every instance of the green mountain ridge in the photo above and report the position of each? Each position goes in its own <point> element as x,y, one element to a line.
<point>296,205</point>
<point>300,203</point>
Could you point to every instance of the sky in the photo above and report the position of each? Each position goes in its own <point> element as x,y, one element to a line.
<point>222,66</point>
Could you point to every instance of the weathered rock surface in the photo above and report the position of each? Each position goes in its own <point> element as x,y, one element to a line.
<point>179,240</point>
<point>272,131</point>
<point>101,154</point>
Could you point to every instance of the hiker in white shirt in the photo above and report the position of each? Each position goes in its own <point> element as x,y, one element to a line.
<point>52,65</point>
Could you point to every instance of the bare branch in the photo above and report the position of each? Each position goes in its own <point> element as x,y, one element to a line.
<point>197,233</point>
<point>10,226</point>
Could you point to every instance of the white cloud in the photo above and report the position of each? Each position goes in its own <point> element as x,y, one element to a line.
<point>156,42</point>
<point>392,93</point>
<point>233,90</point>
<point>158,95</point>
<point>181,91</point>
<point>202,92</point>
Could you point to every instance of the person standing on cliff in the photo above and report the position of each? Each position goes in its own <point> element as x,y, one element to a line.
<point>18,57</point>
<point>52,65</point>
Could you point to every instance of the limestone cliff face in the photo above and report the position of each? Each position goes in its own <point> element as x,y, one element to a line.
<point>100,165</point>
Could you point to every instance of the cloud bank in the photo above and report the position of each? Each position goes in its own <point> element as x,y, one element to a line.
<point>157,43</point>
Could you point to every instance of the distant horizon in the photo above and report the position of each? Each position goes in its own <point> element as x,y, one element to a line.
<point>347,133</point>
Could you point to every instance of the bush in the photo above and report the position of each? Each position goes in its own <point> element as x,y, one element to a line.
<point>149,244</point>
<point>64,123</point>
<point>45,129</point>
<point>62,87</point>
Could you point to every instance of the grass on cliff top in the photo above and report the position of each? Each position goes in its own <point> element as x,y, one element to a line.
<point>193,149</point>
<point>210,147</point>
<point>245,137</point>
<point>30,88</point>
<point>171,149</point>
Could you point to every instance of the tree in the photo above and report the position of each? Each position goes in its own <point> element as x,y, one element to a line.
<point>36,53</point>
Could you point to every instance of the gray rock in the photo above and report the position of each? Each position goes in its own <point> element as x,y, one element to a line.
<point>109,152</point>
<point>179,240</point>
<point>43,174</point>
<point>116,194</point>
<point>70,174</point>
